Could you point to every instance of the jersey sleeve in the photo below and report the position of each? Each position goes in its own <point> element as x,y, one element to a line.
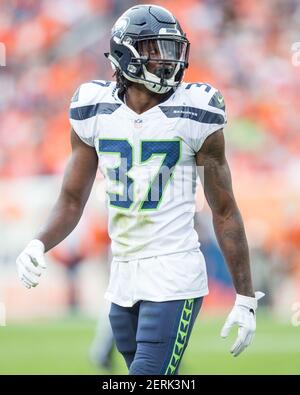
<point>209,105</point>
<point>83,109</point>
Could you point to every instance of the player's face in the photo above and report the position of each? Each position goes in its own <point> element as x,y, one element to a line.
<point>162,55</point>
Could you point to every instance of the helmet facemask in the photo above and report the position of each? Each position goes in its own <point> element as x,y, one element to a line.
<point>157,62</point>
<point>164,60</point>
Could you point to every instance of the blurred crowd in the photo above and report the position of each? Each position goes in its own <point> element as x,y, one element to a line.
<point>242,47</point>
<point>45,61</point>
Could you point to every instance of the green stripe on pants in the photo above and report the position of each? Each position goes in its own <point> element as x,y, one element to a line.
<point>181,337</point>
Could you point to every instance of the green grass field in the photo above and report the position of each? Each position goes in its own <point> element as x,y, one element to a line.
<point>61,347</point>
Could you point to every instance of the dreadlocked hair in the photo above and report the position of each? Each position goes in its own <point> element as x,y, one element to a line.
<point>122,82</point>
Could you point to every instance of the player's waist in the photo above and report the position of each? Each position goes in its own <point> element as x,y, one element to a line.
<point>152,251</point>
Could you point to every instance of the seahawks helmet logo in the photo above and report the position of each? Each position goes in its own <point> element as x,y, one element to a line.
<point>120,26</point>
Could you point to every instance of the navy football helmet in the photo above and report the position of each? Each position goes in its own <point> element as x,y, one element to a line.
<point>149,47</point>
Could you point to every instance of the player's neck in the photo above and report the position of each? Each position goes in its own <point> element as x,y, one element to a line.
<point>140,99</point>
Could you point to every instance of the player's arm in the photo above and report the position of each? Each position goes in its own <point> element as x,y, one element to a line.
<point>230,232</point>
<point>227,220</point>
<point>76,187</point>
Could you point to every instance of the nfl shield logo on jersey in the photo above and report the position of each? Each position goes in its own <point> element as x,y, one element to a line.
<point>138,123</point>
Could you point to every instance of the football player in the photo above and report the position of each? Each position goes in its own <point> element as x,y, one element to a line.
<point>149,132</point>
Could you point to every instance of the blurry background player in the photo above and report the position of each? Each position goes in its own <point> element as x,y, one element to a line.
<point>103,344</point>
<point>158,276</point>
<point>89,240</point>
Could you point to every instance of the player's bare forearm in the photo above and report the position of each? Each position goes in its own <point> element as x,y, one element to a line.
<point>62,220</point>
<point>77,184</point>
<point>228,223</point>
<point>231,236</point>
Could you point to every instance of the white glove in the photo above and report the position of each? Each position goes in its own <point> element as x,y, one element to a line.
<point>30,263</point>
<point>242,314</point>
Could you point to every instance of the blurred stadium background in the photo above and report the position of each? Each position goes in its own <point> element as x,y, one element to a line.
<point>243,48</point>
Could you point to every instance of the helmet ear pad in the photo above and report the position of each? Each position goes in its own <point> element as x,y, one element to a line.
<point>126,59</point>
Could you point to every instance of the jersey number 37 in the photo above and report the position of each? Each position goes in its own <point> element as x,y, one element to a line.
<point>169,150</point>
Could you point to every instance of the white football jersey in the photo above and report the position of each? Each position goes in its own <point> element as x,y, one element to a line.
<point>149,164</point>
